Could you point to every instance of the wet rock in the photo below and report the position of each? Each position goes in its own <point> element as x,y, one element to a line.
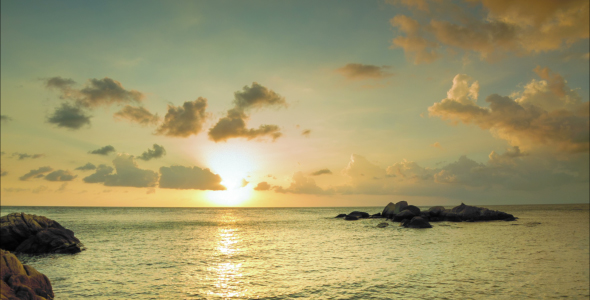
<point>341,216</point>
<point>20,281</point>
<point>351,218</point>
<point>474,213</point>
<point>376,216</point>
<point>392,209</point>
<point>414,209</point>
<point>20,232</point>
<point>403,215</point>
<point>416,222</point>
<point>359,214</point>
<point>436,211</point>
<point>383,225</point>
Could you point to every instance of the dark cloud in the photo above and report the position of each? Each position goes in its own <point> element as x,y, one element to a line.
<point>5,118</point>
<point>194,178</point>
<point>69,116</point>
<point>364,72</point>
<point>22,156</point>
<point>157,152</point>
<point>306,132</point>
<point>321,172</point>
<point>127,174</point>
<point>547,113</point>
<point>97,92</point>
<point>138,115</point>
<point>59,82</point>
<point>85,167</point>
<point>100,175</point>
<point>499,27</point>
<point>60,175</point>
<point>106,150</point>
<point>36,173</point>
<point>234,124</point>
<point>184,121</point>
<point>262,186</point>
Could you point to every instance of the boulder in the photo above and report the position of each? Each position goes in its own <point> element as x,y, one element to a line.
<point>416,222</point>
<point>341,216</point>
<point>359,214</point>
<point>474,213</point>
<point>376,216</point>
<point>392,209</point>
<point>435,211</point>
<point>20,232</point>
<point>351,218</point>
<point>403,215</point>
<point>20,281</point>
<point>414,209</point>
<point>383,225</point>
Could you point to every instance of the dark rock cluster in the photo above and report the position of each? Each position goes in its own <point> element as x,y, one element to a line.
<point>24,233</point>
<point>411,216</point>
<point>19,282</point>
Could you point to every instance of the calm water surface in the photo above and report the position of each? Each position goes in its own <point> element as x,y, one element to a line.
<point>286,253</point>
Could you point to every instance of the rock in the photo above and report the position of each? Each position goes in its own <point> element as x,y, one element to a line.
<point>436,211</point>
<point>416,222</point>
<point>341,216</point>
<point>351,218</point>
<point>474,213</point>
<point>403,215</point>
<point>359,214</point>
<point>376,216</point>
<point>392,209</point>
<point>20,232</point>
<point>414,209</point>
<point>383,225</point>
<point>21,281</point>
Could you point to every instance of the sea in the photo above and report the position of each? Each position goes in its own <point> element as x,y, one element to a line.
<point>307,253</point>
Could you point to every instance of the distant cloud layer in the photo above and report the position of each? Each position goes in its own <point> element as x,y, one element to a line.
<point>36,173</point>
<point>547,113</point>
<point>185,120</point>
<point>234,124</point>
<point>520,27</point>
<point>86,167</point>
<point>106,150</point>
<point>97,92</point>
<point>137,114</point>
<point>60,175</point>
<point>22,156</point>
<point>193,178</point>
<point>127,173</point>
<point>157,152</point>
<point>355,71</point>
<point>302,185</point>
<point>69,116</point>
<point>5,118</point>
<point>321,172</point>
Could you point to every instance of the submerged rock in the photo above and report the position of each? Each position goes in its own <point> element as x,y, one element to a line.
<point>20,232</point>
<point>351,218</point>
<point>341,216</point>
<point>416,222</point>
<point>376,216</point>
<point>474,213</point>
<point>359,214</point>
<point>20,281</point>
<point>383,225</point>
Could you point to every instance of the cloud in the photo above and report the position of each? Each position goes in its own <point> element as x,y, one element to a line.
<point>22,156</point>
<point>302,185</point>
<point>234,124</point>
<point>547,113</point>
<point>193,178</point>
<point>60,175</point>
<point>5,118</point>
<point>85,167</point>
<point>36,173</point>
<point>363,72</point>
<point>184,121</point>
<point>321,172</point>
<point>106,150</point>
<point>100,175</point>
<point>40,189</point>
<point>69,116</point>
<point>306,132</point>
<point>436,145</point>
<point>3,173</point>
<point>97,92</point>
<point>138,115</point>
<point>157,152</point>
<point>127,174</point>
<point>16,190</point>
<point>262,186</point>
<point>494,29</point>
<point>62,188</point>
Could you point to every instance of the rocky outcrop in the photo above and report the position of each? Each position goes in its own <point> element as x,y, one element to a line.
<point>404,215</point>
<point>416,222</point>
<point>20,232</point>
<point>359,214</point>
<point>351,218</point>
<point>474,213</point>
<point>341,216</point>
<point>21,281</point>
<point>392,209</point>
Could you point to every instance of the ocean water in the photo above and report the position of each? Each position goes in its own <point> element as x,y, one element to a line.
<point>286,253</point>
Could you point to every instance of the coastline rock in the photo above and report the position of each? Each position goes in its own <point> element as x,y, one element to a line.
<point>414,209</point>
<point>403,215</point>
<point>376,216</point>
<point>351,218</point>
<point>416,222</point>
<point>20,232</point>
<point>341,216</point>
<point>21,281</point>
<point>392,209</point>
<point>474,213</point>
<point>436,211</point>
<point>359,214</point>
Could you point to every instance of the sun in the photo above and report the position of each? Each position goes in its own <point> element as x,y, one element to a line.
<point>233,164</point>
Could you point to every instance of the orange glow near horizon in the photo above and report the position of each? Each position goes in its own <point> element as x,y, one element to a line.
<point>233,165</point>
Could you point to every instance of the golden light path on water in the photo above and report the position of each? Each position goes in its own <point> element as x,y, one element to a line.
<point>228,274</point>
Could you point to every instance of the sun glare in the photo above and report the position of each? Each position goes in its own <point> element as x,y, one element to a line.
<point>233,164</point>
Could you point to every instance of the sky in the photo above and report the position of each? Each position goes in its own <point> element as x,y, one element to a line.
<point>294,103</point>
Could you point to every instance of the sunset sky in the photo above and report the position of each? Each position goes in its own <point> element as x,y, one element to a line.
<point>294,103</point>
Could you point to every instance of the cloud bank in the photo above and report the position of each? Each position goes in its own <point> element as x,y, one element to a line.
<point>127,173</point>
<point>193,178</point>
<point>36,173</point>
